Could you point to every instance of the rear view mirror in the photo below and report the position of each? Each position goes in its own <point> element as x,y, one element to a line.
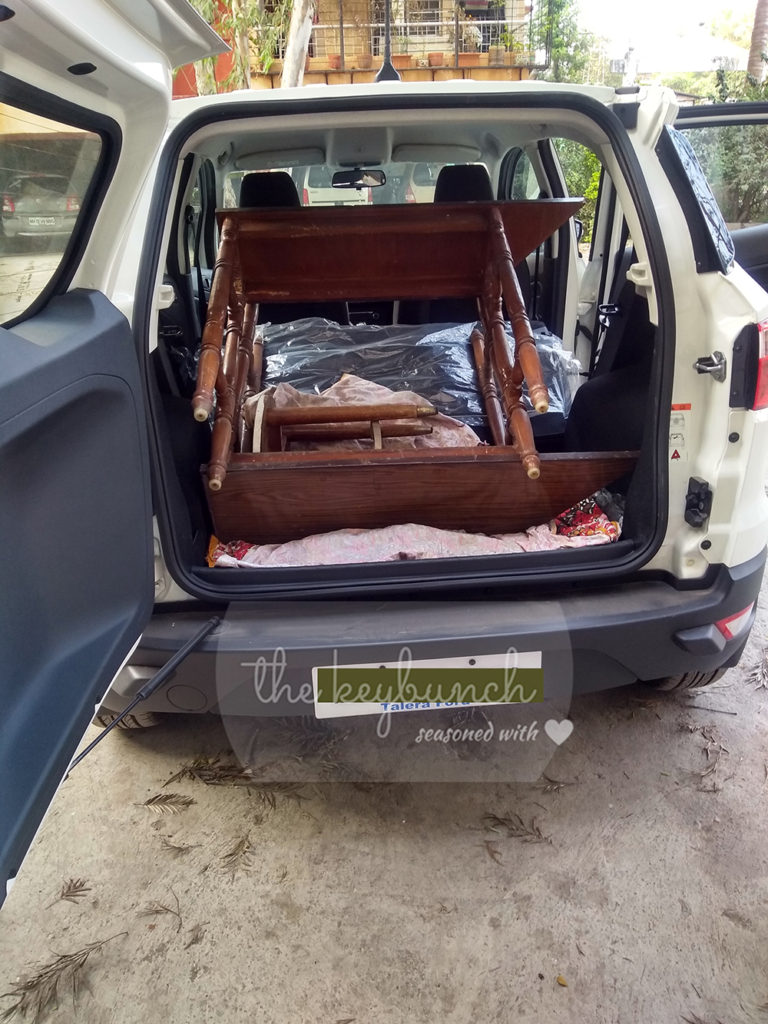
<point>359,178</point>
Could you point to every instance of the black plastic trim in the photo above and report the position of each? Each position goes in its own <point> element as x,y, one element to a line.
<point>716,113</point>
<point>465,574</point>
<point>36,101</point>
<point>627,113</point>
<point>744,364</point>
<point>600,636</point>
<point>700,639</point>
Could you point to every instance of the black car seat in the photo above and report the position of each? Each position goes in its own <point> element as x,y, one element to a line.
<point>268,190</point>
<point>459,183</point>
<point>609,410</point>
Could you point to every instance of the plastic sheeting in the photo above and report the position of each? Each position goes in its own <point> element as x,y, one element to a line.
<point>433,360</point>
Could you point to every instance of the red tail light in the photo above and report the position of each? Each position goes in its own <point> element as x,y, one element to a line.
<point>734,625</point>
<point>73,204</point>
<point>409,196</point>
<point>761,391</point>
<point>8,204</point>
<point>304,197</point>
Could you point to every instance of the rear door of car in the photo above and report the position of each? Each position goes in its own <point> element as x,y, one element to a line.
<point>731,143</point>
<point>85,91</point>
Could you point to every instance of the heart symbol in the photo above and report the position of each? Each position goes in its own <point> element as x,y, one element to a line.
<point>558,732</point>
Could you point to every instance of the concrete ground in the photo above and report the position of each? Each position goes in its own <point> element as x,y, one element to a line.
<point>23,275</point>
<point>634,892</point>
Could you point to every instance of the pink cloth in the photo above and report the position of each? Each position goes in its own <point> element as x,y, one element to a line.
<point>393,543</point>
<point>351,390</point>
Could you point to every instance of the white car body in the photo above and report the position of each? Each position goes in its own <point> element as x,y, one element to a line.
<point>97,498</point>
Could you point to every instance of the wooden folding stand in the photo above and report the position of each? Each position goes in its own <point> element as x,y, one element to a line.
<point>366,254</point>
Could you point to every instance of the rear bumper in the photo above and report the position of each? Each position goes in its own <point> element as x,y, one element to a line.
<point>261,656</point>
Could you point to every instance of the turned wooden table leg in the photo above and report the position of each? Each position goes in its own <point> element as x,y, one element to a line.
<point>210,349</point>
<point>227,407</point>
<point>253,387</point>
<point>509,377</point>
<point>484,366</point>
<point>525,346</point>
<point>245,354</point>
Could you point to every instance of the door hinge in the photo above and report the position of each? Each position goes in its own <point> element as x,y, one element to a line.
<point>716,364</point>
<point>698,502</point>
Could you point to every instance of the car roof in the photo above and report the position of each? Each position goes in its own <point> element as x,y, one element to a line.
<point>354,125</point>
<point>396,90</point>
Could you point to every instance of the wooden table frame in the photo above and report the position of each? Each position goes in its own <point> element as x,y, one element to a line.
<point>370,253</point>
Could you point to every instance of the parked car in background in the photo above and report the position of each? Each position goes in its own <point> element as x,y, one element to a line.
<point>37,205</point>
<point>315,188</point>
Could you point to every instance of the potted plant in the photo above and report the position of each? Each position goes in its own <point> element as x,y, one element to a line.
<point>496,55</point>
<point>510,44</point>
<point>436,58</point>
<point>471,39</point>
<point>361,42</point>
<point>495,32</point>
<point>400,56</point>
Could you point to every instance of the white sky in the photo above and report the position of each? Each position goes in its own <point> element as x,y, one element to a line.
<point>645,24</point>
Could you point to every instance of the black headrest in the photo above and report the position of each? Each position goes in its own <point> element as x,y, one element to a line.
<point>268,188</point>
<point>460,183</point>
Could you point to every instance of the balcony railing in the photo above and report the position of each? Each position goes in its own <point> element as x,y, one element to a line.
<point>517,36</point>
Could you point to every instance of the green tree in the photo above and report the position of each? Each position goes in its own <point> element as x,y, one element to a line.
<point>733,156</point>
<point>582,178</point>
<point>254,31</point>
<point>758,42</point>
<point>571,49</point>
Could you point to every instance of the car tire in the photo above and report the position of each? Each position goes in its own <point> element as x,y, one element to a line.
<point>136,720</point>
<point>687,680</point>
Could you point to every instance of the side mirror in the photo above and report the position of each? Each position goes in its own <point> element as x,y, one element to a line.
<point>361,177</point>
<point>579,226</point>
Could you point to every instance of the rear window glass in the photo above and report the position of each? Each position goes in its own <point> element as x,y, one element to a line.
<point>711,238</point>
<point>733,157</point>
<point>46,168</point>
<point>320,176</point>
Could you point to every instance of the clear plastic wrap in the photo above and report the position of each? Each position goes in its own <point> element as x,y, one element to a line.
<point>433,360</point>
<point>561,370</point>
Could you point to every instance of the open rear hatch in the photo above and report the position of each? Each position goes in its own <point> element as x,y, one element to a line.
<point>366,491</point>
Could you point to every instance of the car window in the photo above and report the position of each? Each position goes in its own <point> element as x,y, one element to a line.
<point>732,157</point>
<point>320,176</point>
<point>46,168</point>
<point>712,241</point>
<point>581,170</point>
<point>525,184</point>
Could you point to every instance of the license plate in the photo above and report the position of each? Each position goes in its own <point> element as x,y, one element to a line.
<point>42,222</point>
<point>342,691</point>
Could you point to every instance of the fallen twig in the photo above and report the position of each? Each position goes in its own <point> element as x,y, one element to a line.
<point>168,803</point>
<point>514,827</point>
<point>239,857</point>
<point>156,907</point>
<point>36,994</point>
<point>73,890</point>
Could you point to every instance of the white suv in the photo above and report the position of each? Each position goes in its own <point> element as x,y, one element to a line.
<point>652,338</point>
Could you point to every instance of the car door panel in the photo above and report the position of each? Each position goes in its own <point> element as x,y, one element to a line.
<point>75,517</point>
<point>75,503</point>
